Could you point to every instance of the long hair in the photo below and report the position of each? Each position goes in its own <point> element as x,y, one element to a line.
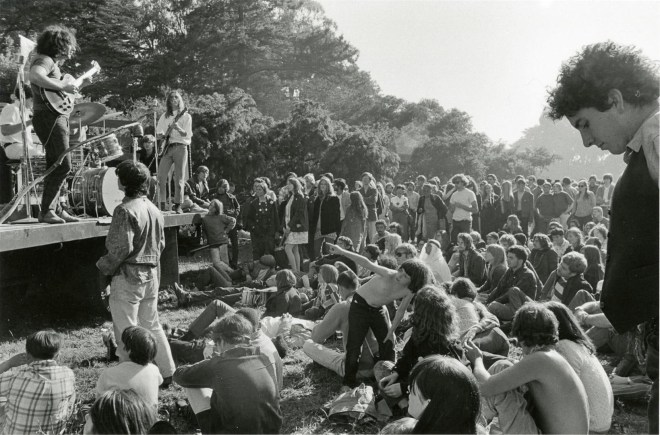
<point>592,254</point>
<point>358,205</point>
<point>434,319</point>
<point>453,393</point>
<point>297,186</point>
<point>170,109</point>
<point>56,40</point>
<point>585,194</point>
<point>506,193</point>
<point>121,412</point>
<point>498,253</point>
<point>569,328</point>
<point>330,191</point>
<point>420,274</point>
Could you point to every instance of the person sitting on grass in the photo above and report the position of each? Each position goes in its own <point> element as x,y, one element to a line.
<point>444,397</point>
<point>555,390</point>
<point>41,395</point>
<point>138,374</point>
<point>336,319</point>
<point>254,274</point>
<point>216,225</point>
<point>368,307</point>
<point>579,351</point>
<point>120,412</point>
<point>327,295</point>
<point>434,331</point>
<point>517,286</point>
<point>567,284</point>
<point>234,391</point>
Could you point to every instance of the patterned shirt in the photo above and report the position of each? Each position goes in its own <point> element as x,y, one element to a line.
<point>40,397</point>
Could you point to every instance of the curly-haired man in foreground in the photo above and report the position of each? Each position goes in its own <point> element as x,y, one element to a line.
<point>609,93</point>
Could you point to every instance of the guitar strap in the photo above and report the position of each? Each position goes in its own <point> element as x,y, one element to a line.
<point>169,131</point>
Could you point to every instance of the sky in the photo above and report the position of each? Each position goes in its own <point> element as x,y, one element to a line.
<point>495,60</point>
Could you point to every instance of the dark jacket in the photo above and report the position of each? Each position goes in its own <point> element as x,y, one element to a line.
<point>437,202</point>
<point>544,262</point>
<point>527,210</point>
<point>245,394</point>
<point>264,223</point>
<point>473,267</point>
<point>370,196</point>
<point>230,205</point>
<point>494,276</point>
<point>412,352</point>
<point>283,301</point>
<point>329,210</point>
<point>630,289</point>
<point>522,278</point>
<point>573,285</point>
<point>298,218</point>
<point>196,194</point>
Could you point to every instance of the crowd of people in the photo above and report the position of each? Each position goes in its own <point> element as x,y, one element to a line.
<point>457,271</point>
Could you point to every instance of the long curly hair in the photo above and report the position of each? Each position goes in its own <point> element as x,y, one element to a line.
<point>358,205</point>
<point>535,325</point>
<point>434,319</point>
<point>56,40</point>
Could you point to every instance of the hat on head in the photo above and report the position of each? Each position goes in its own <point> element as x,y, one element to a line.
<point>268,260</point>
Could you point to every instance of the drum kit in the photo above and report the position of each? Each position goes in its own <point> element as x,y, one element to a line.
<point>92,188</point>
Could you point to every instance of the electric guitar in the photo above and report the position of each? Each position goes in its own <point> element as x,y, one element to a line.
<point>63,102</point>
<point>166,142</point>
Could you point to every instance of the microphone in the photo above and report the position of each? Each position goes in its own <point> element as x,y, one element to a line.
<point>137,131</point>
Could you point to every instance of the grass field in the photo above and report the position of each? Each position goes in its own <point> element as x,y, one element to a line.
<point>307,386</point>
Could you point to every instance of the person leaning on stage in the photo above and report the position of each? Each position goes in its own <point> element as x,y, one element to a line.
<point>177,152</point>
<point>609,93</point>
<point>136,239</point>
<point>55,45</point>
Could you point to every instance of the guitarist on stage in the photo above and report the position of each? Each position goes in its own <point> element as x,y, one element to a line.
<point>175,128</point>
<point>54,46</point>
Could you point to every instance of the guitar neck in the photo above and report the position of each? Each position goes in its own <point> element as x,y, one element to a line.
<point>88,74</point>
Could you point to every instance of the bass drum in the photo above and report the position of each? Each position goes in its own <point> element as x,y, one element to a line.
<point>95,191</point>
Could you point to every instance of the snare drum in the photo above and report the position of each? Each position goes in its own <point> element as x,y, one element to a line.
<point>107,148</point>
<point>96,191</point>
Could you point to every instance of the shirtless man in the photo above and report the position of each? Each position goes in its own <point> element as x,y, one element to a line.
<point>556,392</point>
<point>368,306</point>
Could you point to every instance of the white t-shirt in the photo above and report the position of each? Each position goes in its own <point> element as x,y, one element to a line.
<point>129,375</point>
<point>465,197</point>
<point>399,202</point>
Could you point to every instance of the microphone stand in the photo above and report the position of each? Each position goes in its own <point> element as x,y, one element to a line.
<point>20,82</point>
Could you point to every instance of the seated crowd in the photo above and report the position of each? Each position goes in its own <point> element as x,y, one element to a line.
<point>455,272</point>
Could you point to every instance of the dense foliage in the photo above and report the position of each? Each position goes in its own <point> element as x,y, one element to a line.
<point>272,85</point>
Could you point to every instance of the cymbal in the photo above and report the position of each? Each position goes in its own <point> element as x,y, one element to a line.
<point>85,114</point>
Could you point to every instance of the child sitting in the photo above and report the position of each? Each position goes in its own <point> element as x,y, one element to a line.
<point>327,294</point>
<point>139,374</point>
<point>41,395</point>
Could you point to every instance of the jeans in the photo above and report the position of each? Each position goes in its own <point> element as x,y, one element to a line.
<point>458,227</point>
<point>187,352</point>
<point>371,232</point>
<point>177,155</point>
<point>362,317</point>
<point>134,304</point>
<point>335,360</point>
<point>53,131</point>
<point>510,407</point>
<point>505,311</point>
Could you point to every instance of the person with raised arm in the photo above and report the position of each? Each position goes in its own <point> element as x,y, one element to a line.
<point>368,309</point>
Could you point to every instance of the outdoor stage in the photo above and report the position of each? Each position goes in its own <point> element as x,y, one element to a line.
<point>60,260</point>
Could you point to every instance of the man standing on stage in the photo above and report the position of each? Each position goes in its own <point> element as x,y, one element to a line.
<point>176,154</point>
<point>54,46</point>
<point>136,239</point>
<point>609,93</point>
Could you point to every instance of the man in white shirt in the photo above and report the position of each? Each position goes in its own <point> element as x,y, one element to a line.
<point>462,203</point>
<point>604,194</point>
<point>177,151</point>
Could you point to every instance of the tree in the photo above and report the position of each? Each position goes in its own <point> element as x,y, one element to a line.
<point>446,155</point>
<point>357,151</point>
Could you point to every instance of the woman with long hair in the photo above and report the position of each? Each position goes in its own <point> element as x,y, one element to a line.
<point>434,331</point>
<point>584,204</point>
<point>595,271</point>
<point>444,397</point>
<point>506,203</point>
<point>262,221</point>
<point>495,257</point>
<point>369,193</point>
<point>296,222</point>
<point>576,347</point>
<point>490,210</point>
<point>512,225</point>
<point>544,259</point>
<point>355,221</point>
<point>326,219</point>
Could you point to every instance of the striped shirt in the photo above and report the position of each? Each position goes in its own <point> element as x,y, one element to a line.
<point>40,397</point>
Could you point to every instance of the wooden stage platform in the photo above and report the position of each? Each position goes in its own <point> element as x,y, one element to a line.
<point>58,263</point>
